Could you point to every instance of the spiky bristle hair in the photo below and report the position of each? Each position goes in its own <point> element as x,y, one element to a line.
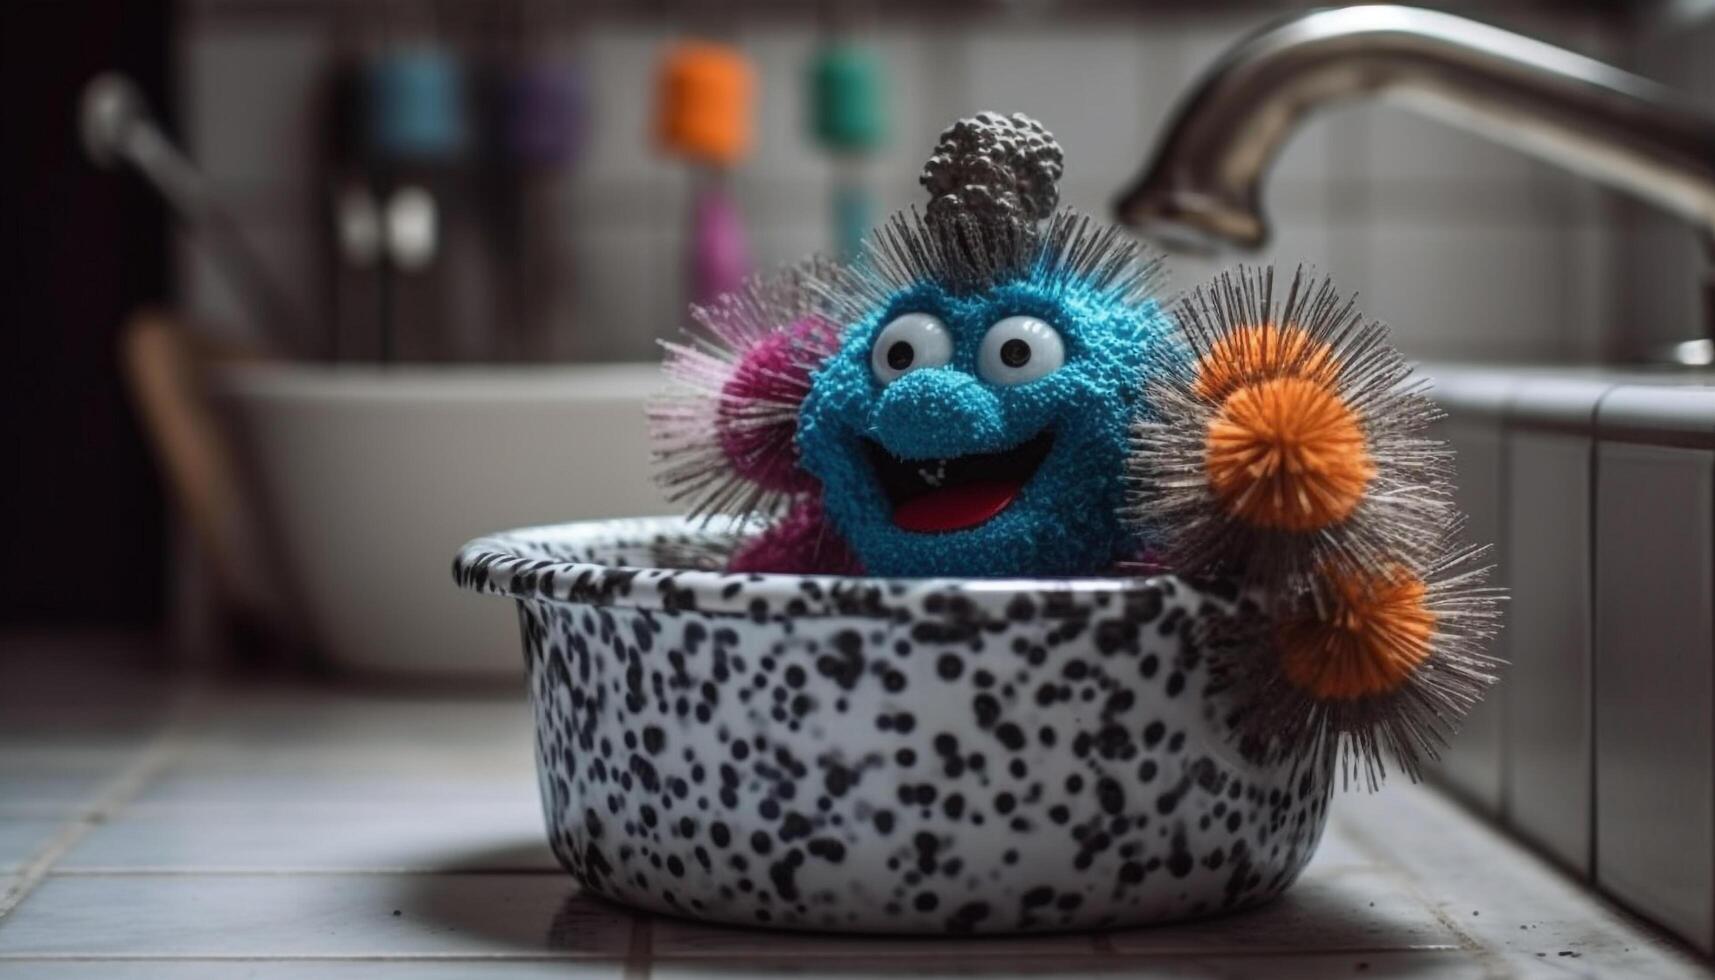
<point>1371,668</point>
<point>1066,253</point>
<point>1285,438</point>
<point>724,432</point>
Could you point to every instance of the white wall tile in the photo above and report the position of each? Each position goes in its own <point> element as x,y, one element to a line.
<point>1311,244</point>
<point>1405,145</point>
<point>656,202</point>
<point>897,190</point>
<point>777,245</point>
<point>1594,318</point>
<point>766,201</point>
<point>928,87</point>
<point>1086,84</point>
<point>1466,289</point>
<point>1662,267</point>
<point>251,100</point>
<point>783,149</point>
<point>620,63</point>
<point>1673,49</point>
<point>631,290</point>
<point>1591,32</point>
<point>1662,261</point>
<point>1089,196</point>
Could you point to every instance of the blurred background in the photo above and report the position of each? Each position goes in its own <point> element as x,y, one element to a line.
<point>512,148</point>
<point>303,294</point>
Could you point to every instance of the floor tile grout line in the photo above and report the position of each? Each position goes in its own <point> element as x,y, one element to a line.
<point>465,957</point>
<point>1335,949</point>
<point>163,747</point>
<point>639,952</point>
<point>1365,843</point>
<point>1492,958</point>
<point>1381,860</point>
<point>975,954</point>
<point>120,871</point>
<point>640,966</point>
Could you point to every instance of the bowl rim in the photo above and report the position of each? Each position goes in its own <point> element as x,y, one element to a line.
<point>514,564</point>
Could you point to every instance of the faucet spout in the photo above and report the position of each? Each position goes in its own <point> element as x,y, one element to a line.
<point>1203,187</point>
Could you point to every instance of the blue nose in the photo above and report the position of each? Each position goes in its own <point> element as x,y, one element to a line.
<point>938,412</point>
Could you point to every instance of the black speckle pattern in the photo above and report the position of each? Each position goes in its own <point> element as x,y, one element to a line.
<point>887,755</point>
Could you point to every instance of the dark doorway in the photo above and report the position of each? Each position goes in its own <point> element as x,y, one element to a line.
<point>82,248</point>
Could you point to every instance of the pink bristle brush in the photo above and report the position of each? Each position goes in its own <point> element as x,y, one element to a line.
<point>726,434</point>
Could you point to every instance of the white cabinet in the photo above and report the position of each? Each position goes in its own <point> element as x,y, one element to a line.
<point>1475,401</point>
<point>1550,443</point>
<point>1598,744</point>
<point>1655,655</point>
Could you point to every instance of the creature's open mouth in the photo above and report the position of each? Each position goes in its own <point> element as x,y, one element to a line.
<point>957,492</point>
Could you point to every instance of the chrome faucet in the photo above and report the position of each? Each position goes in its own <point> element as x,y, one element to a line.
<point>1203,188</point>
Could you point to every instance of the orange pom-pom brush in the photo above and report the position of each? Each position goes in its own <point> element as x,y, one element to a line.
<point>1284,443</point>
<point>1382,663</point>
<point>1287,454</point>
<point>1284,439</point>
<point>1252,352</point>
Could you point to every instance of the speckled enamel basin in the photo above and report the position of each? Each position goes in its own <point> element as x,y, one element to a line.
<point>909,755</point>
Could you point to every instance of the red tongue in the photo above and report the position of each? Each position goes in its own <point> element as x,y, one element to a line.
<point>956,508</point>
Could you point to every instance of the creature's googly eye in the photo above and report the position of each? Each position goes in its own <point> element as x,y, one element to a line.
<point>1018,349</point>
<point>908,342</point>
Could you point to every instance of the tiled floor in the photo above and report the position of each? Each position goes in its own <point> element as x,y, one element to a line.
<point>151,829</point>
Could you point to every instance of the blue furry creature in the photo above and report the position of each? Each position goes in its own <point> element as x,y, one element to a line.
<point>956,402</point>
<point>978,426</point>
